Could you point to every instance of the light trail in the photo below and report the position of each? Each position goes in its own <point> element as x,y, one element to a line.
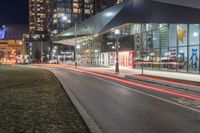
<point>162,90</point>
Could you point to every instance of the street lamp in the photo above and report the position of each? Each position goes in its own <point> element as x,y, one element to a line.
<point>64,18</point>
<point>117,33</point>
<point>75,35</point>
<point>78,47</point>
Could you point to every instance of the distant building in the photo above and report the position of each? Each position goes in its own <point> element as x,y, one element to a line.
<point>12,45</point>
<point>38,12</point>
<point>38,29</point>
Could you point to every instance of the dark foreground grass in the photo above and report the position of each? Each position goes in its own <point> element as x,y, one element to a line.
<point>33,101</point>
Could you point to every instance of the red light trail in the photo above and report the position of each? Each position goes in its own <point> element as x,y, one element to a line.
<point>162,90</point>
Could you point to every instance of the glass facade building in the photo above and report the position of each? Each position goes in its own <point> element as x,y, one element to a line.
<point>166,47</point>
<point>151,34</point>
<point>170,47</point>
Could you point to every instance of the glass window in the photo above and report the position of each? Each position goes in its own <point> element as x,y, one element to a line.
<point>156,39</point>
<point>164,59</point>
<point>194,34</point>
<point>138,42</point>
<point>144,40</point>
<point>156,58</point>
<point>172,57</point>
<point>148,58</point>
<point>194,59</point>
<point>164,37</point>
<point>172,35</point>
<point>149,27</point>
<point>138,59</point>
<point>149,40</point>
<point>135,29</point>
<point>182,59</point>
<point>182,34</point>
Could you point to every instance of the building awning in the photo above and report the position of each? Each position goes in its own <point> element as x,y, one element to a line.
<point>130,11</point>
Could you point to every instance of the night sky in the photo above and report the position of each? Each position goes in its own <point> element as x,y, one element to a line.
<point>14,11</point>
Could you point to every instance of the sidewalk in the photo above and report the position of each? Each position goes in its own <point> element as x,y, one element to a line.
<point>183,81</point>
<point>164,74</point>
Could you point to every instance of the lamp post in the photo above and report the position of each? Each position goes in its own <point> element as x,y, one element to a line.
<point>75,55</point>
<point>41,48</point>
<point>117,32</point>
<point>64,20</point>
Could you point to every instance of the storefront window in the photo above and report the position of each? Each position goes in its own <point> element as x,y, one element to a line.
<point>172,35</point>
<point>149,40</point>
<point>194,59</point>
<point>182,34</point>
<point>144,40</point>
<point>148,58</point>
<point>156,40</point>
<point>194,34</point>
<point>138,42</point>
<point>162,25</point>
<point>164,37</point>
<point>149,27</point>
<point>156,59</point>
<point>138,59</point>
<point>164,59</point>
<point>172,57</point>
<point>182,59</point>
<point>135,29</point>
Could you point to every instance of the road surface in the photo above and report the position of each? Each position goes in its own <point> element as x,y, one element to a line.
<point>121,108</point>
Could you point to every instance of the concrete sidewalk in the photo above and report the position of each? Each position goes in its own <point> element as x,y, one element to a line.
<point>182,81</point>
<point>164,74</point>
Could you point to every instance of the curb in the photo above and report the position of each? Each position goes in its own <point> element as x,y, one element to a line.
<point>183,87</point>
<point>93,127</point>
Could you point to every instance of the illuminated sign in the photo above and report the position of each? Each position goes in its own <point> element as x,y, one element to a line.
<point>2,32</point>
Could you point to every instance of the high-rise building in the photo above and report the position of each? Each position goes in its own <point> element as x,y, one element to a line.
<point>49,17</point>
<point>38,29</point>
<point>38,10</point>
<point>64,13</point>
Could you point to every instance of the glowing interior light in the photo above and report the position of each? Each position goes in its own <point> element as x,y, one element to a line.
<point>117,32</point>
<point>78,46</point>
<point>195,34</point>
<point>109,14</point>
<point>64,18</point>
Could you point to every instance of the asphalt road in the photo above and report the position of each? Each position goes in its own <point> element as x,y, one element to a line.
<point>119,108</point>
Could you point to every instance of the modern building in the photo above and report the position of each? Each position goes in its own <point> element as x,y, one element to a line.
<point>12,46</point>
<point>65,13</point>
<point>157,35</point>
<point>101,5</point>
<point>38,12</point>
<point>38,30</point>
